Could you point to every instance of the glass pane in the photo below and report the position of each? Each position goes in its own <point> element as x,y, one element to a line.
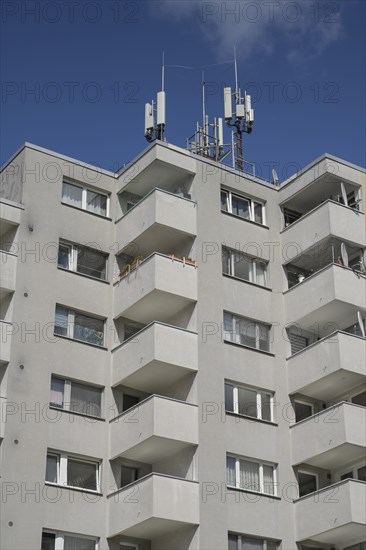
<point>247,402</point>
<point>268,486</point>
<point>77,543</point>
<point>360,399</point>
<point>263,337</point>
<point>129,401</point>
<point>240,207</point>
<point>249,476</point>
<point>302,411</point>
<point>361,473</point>
<point>230,471</point>
<point>251,544</point>
<point>81,474</point>
<point>64,252</point>
<point>72,194</point>
<point>242,267</point>
<point>229,333</point>
<point>229,398</point>
<point>48,541</point>
<point>224,201</point>
<point>266,406</point>
<point>247,332</point>
<point>97,203</point>
<point>91,262</point>
<point>307,483</point>
<point>226,261</point>
<point>348,475</point>
<point>89,329</point>
<point>260,269</point>
<point>51,468</point>
<point>61,321</point>
<point>233,542</point>
<point>85,399</point>
<point>272,545</point>
<point>258,212</point>
<point>57,392</point>
<point>128,475</point>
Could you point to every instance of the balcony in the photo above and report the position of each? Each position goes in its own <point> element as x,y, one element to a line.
<point>157,428</point>
<point>333,365</point>
<point>160,221</point>
<point>155,290</point>
<point>10,214</point>
<point>6,330</point>
<point>331,438</point>
<point>328,218</point>
<point>3,413</point>
<point>334,514</point>
<point>153,506</point>
<point>329,298</point>
<point>155,358</point>
<point>8,264</point>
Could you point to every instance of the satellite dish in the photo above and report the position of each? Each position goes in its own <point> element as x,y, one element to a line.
<point>344,254</point>
<point>360,323</point>
<point>344,194</point>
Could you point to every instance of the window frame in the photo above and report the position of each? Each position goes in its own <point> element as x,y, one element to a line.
<point>84,192</point>
<point>309,473</point>
<point>68,382</point>
<point>62,471</point>
<point>307,404</point>
<point>257,325</point>
<point>251,205</point>
<point>264,541</point>
<point>261,464</point>
<point>252,261</point>
<point>259,392</point>
<point>131,469</point>
<point>354,469</point>
<point>70,330</point>
<point>60,538</point>
<point>74,248</point>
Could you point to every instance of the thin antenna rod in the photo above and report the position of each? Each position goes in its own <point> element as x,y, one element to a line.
<point>162,74</point>
<point>236,77</point>
<point>203,100</point>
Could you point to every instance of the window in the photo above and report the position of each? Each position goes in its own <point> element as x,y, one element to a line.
<point>251,476</point>
<point>297,341</point>
<point>355,472</point>
<point>78,326</point>
<point>128,546</point>
<point>359,546</point>
<point>243,207</point>
<point>303,410</point>
<point>72,472</point>
<point>63,541</point>
<point>246,332</point>
<point>359,399</point>
<point>129,401</point>
<point>82,259</point>
<point>308,483</point>
<point>128,475</point>
<point>243,542</point>
<point>84,198</point>
<point>244,267</point>
<point>249,402</point>
<point>75,396</point>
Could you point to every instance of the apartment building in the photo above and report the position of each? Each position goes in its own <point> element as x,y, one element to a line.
<point>182,355</point>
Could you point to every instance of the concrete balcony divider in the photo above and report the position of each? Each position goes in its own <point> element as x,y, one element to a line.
<point>153,506</point>
<point>157,289</point>
<point>159,219</point>
<point>328,219</point>
<point>328,298</point>
<point>2,416</point>
<point>332,365</point>
<point>156,428</point>
<point>8,264</point>
<point>6,330</point>
<point>334,515</point>
<point>155,357</point>
<point>331,438</point>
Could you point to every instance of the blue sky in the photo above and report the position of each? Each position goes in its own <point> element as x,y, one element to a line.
<point>93,65</point>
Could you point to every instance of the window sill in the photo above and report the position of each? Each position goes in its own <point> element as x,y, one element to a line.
<point>70,487</point>
<point>54,408</point>
<point>239,490</point>
<point>83,275</point>
<point>247,282</point>
<point>87,211</point>
<point>249,348</point>
<point>251,418</point>
<point>80,341</point>
<point>244,219</point>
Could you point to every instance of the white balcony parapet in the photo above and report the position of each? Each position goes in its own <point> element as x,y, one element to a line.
<point>330,438</point>
<point>8,265</point>
<point>153,506</point>
<point>6,330</point>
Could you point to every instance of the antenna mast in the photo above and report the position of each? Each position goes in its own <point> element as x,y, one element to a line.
<point>155,112</point>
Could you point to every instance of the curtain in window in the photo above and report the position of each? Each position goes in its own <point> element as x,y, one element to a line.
<point>57,392</point>
<point>61,320</point>
<point>242,267</point>
<point>240,207</point>
<point>77,543</point>
<point>91,262</point>
<point>263,337</point>
<point>51,469</point>
<point>85,399</point>
<point>224,201</point>
<point>64,252</point>
<point>89,329</point>
<point>266,406</point>
<point>230,471</point>
<point>247,332</point>
<point>96,203</point>
<point>251,544</point>
<point>233,542</point>
<point>72,194</point>
<point>81,474</point>
<point>249,475</point>
<point>247,402</point>
<point>258,212</point>
<point>268,486</point>
<point>226,261</point>
<point>229,334</point>
<point>260,273</point>
<point>229,398</point>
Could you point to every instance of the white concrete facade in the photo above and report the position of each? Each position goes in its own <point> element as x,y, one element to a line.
<point>182,360</point>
